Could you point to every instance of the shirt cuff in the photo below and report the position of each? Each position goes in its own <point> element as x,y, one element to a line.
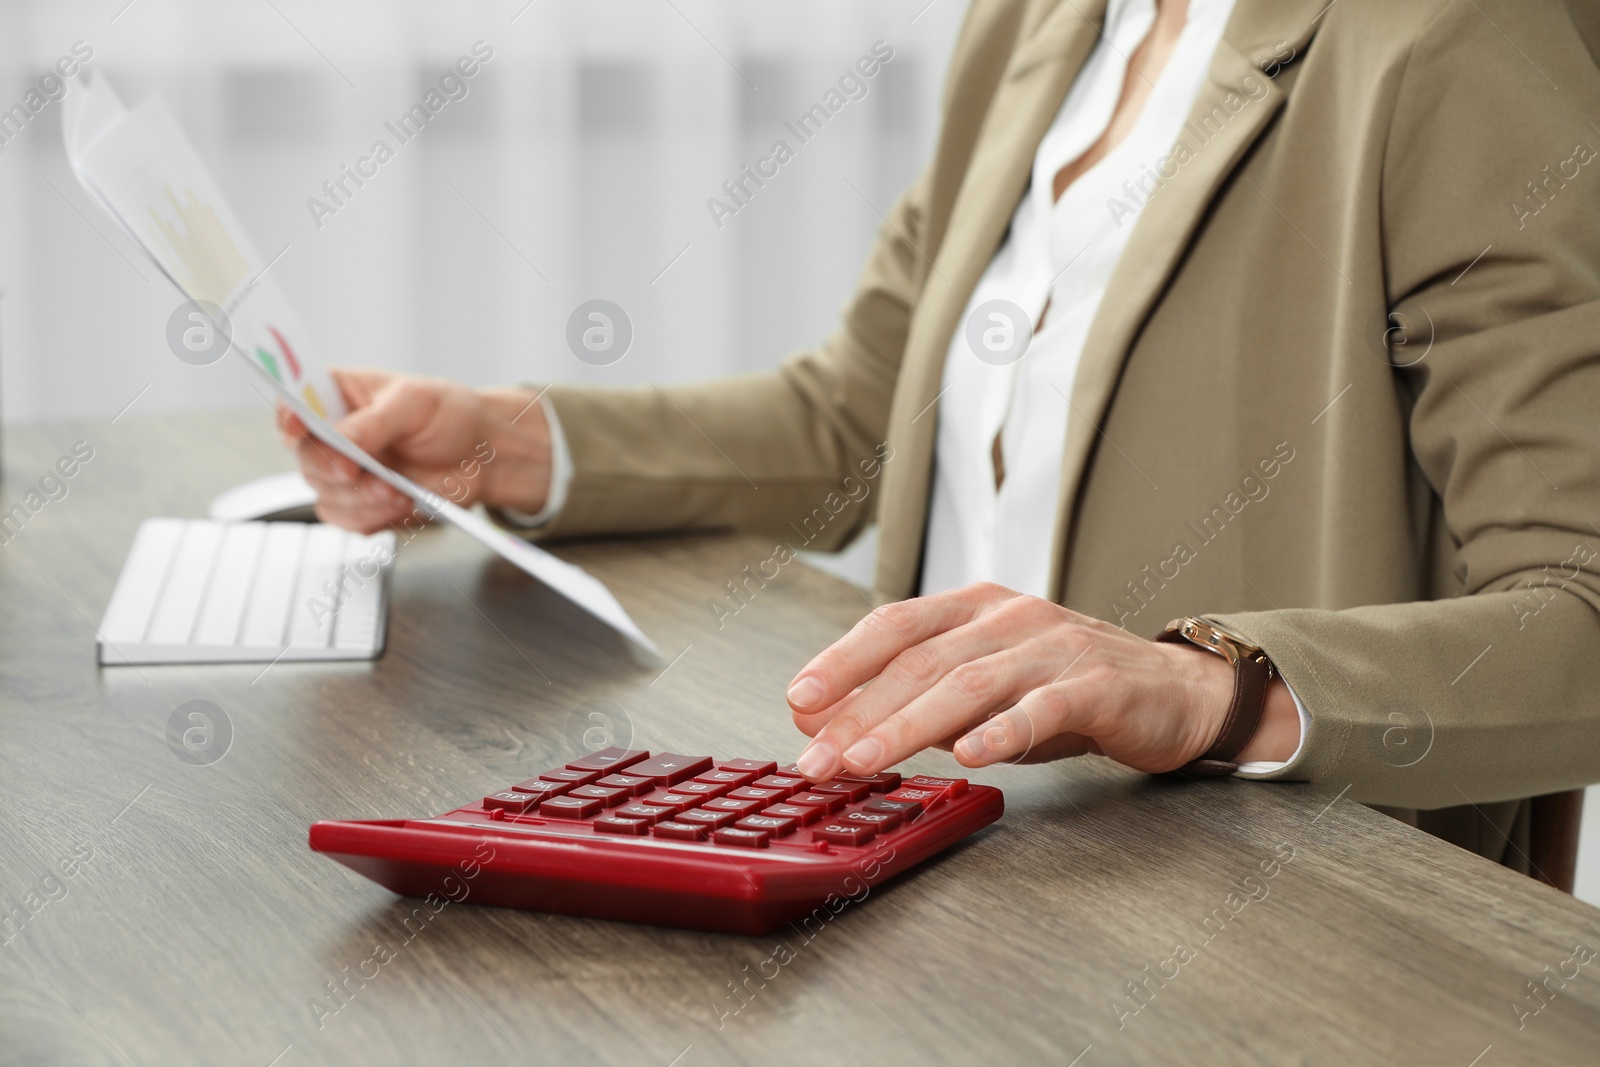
<point>1256,767</point>
<point>560,475</point>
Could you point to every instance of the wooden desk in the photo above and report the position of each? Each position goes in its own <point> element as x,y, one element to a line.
<point>202,930</point>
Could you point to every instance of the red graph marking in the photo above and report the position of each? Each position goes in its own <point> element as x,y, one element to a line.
<point>288,353</point>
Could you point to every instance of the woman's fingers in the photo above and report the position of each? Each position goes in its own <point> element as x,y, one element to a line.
<point>359,385</point>
<point>970,692</point>
<point>876,640</point>
<point>401,408</point>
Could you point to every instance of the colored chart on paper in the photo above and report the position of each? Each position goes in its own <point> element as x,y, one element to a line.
<point>205,256</point>
<point>285,369</point>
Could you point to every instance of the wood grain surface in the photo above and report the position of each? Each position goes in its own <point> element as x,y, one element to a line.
<point>1109,917</point>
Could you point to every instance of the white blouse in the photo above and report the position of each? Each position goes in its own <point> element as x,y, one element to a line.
<point>1059,253</point>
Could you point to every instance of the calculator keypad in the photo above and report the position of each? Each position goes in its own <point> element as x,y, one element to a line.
<point>739,803</point>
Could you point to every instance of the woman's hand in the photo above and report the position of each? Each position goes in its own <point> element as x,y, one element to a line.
<point>1005,678</point>
<point>464,444</point>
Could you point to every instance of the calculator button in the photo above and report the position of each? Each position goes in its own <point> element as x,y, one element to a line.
<point>790,786</point>
<point>950,787</point>
<point>671,801</point>
<point>887,782</point>
<point>754,767</point>
<point>724,776</point>
<point>742,807</point>
<point>843,833</point>
<point>882,821</point>
<point>570,808</point>
<point>799,812</point>
<point>608,797</point>
<point>542,790</point>
<point>825,801</point>
<point>908,810</point>
<point>852,791</point>
<point>925,797</point>
<point>566,774</point>
<point>511,801</point>
<point>703,790</point>
<point>610,824</point>
<point>635,785</point>
<point>760,796</point>
<point>645,813</point>
<point>790,770</point>
<point>608,759</point>
<point>741,838</point>
<point>702,817</point>
<point>670,768</point>
<point>679,831</point>
<point>771,824</point>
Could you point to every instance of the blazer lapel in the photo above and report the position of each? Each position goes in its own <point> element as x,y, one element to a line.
<point>1167,223</point>
<point>1036,80</point>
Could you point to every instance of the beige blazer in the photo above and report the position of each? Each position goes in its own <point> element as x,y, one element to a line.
<point>1403,509</point>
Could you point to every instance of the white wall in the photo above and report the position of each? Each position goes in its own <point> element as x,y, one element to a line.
<point>591,142</point>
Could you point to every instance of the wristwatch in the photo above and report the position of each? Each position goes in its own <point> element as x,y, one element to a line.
<point>1252,673</point>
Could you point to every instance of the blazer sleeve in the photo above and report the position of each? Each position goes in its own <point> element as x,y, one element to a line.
<point>1493,693</point>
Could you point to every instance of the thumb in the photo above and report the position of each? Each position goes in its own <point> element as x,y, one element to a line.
<point>398,410</point>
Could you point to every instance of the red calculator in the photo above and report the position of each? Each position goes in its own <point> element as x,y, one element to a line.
<point>739,845</point>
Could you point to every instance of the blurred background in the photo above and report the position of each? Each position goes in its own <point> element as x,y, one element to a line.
<point>577,167</point>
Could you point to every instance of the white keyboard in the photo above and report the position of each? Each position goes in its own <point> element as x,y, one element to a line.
<point>196,591</point>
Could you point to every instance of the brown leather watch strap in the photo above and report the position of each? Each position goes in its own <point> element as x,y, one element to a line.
<point>1250,680</point>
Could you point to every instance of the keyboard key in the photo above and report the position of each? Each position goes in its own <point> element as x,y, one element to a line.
<point>741,807</point>
<point>790,786</point>
<point>908,810</point>
<point>713,819</point>
<point>887,782</point>
<point>741,838</point>
<point>671,801</point>
<point>679,831</point>
<point>648,814</point>
<point>760,796</point>
<point>789,770</point>
<point>609,759</point>
<point>704,790</point>
<point>566,774</point>
<point>670,768</point>
<point>540,789</point>
<point>828,802</point>
<point>510,801</point>
<point>570,808</point>
<point>882,821</point>
<point>723,776</point>
<point>840,833</point>
<point>635,785</point>
<point>950,787</point>
<point>608,797</point>
<point>770,824</point>
<point>610,824</point>
<point>754,767</point>
<point>798,812</point>
<point>926,797</point>
<point>853,791</point>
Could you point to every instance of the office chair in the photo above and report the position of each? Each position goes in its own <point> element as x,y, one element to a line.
<point>1553,838</point>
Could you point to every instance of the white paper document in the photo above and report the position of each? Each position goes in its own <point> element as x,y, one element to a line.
<point>140,168</point>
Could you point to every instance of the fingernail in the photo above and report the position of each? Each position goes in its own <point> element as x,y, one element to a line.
<point>864,755</point>
<point>806,691</point>
<point>972,748</point>
<point>818,760</point>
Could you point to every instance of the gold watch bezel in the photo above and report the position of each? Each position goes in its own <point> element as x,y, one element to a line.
<point>1215,638</point>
